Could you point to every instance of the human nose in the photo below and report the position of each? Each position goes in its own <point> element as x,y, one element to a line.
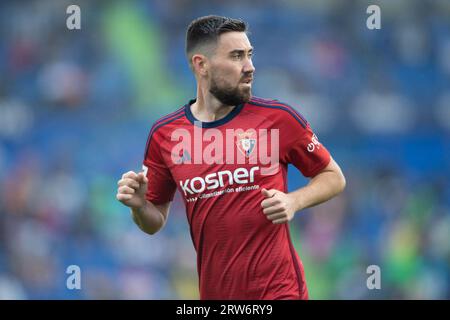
<point>248,66</point>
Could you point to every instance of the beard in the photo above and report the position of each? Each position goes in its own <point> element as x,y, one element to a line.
<point>228,95</point>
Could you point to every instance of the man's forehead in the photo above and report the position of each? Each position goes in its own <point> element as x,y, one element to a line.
<point>234,41</point>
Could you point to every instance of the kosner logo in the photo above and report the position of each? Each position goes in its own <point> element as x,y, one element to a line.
<point>217,179</point>
<point>211,146</point>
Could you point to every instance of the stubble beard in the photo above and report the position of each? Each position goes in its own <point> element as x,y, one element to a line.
<point>230,96</point>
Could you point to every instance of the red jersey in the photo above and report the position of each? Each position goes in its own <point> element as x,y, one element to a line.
<point>220,168</point>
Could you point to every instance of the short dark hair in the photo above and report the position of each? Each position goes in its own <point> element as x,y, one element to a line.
<point>207,29</point>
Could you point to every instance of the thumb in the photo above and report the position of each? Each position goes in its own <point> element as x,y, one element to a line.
<point>268,193</point>
<point>142,178</point>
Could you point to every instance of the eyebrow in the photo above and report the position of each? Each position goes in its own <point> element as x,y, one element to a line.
<point>240,51</point>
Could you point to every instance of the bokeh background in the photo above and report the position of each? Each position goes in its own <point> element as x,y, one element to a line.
<point>76,108</point>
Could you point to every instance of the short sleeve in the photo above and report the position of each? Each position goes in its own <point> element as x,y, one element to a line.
<point>161,186</point>
<point>301,147</point>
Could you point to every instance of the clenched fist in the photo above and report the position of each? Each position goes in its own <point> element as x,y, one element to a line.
<point>132,189</point>
<point>277,206</point>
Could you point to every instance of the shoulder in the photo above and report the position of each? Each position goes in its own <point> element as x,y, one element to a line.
<point>158,127</point>
<point>278,110</point>
<point>163,122</point>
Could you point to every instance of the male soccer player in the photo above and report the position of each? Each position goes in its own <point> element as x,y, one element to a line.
<point>227,153</point>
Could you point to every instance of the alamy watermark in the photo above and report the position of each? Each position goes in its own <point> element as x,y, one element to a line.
<point>374,20</point>
<point>374,280</point>
<point>212,146</point>
<point>73,22</point>
<point>73,281</point>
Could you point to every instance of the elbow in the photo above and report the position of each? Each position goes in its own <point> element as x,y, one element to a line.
<point>150,231</point>
<point>337,179</point>
<point>153,229</point>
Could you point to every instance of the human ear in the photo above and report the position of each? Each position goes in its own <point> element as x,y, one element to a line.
<point>200,64</point>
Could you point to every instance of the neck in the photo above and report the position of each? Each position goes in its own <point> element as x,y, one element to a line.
<point>207,107</point>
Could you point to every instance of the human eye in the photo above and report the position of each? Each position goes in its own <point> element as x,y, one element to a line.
<point>237,55</point>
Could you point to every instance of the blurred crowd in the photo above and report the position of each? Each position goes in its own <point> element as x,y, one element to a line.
<point>76,107</point>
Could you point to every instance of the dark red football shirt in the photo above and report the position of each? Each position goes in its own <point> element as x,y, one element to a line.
<point>220,168</point>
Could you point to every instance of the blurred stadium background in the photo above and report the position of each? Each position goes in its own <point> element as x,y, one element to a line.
<point>76,107</point>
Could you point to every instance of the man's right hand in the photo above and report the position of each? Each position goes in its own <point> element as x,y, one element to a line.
<point>132,189</point>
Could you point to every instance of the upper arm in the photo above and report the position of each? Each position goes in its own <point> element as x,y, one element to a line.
<point>334,168</point>
<point>301,147</point>
<point>331,167</point>
<point>161,186</point>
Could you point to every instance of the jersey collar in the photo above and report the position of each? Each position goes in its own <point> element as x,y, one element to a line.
<point>211,124</point>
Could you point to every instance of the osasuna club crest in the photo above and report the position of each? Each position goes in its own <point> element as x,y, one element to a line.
<point>246,143</point>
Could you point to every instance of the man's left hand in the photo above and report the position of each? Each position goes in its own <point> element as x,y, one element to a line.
<point>277,206</point>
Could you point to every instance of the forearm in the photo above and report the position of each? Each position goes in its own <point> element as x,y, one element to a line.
<point>149,218</point>
<point>321,188</point>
